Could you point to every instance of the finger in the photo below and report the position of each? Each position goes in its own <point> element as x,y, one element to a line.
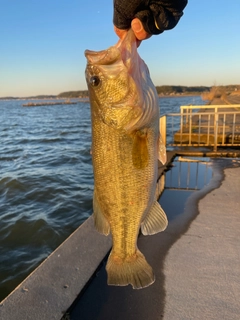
<point>138,29</point>
<point>119,32</point>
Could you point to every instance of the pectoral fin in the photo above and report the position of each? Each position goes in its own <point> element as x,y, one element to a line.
<point>140,156</point>
<point>101,223</point>
<point>155,221</point>
<point>162,155</point>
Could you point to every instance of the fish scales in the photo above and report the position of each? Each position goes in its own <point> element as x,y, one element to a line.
<point>125,152</point>
<point>120,193</point>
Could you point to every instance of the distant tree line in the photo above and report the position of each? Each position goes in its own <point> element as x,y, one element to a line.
<point>73,94</point>
<point>172,90</point>
<point>161,90</point>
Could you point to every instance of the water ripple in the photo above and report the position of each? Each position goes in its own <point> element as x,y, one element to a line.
<point>46,183</point>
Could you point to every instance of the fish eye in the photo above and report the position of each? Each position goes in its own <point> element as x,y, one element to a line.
<point>94,81</point>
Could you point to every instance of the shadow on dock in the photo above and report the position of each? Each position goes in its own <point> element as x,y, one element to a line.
<point>103,302</point>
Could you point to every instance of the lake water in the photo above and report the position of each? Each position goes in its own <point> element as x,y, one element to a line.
<point>46,180</point>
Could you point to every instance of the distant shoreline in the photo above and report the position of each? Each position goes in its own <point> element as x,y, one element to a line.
<point>85,99</point>
<point>43,99</point>
<point>165,91</point>
<point>178,95</point>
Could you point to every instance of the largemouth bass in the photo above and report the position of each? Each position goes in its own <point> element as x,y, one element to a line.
<point>126,145</point>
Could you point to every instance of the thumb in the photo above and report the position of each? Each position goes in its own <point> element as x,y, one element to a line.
<point>138,29</point>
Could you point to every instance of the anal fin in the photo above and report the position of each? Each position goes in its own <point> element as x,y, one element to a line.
<point>155,221</point>
<point>101,223</point>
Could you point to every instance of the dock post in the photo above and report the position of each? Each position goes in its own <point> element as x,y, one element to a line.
<point>215,129</point>
<point>163,128</point>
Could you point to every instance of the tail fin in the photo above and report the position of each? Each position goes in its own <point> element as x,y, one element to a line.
<point>133,270</point>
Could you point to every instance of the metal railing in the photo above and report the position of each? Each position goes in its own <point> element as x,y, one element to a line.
<point>206,126</point>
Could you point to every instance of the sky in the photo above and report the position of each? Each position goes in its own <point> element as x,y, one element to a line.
<point>42,45</point>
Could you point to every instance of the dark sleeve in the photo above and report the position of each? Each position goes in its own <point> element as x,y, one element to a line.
<point>156,16</point>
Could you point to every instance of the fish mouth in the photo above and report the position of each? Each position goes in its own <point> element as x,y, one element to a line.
<point>123,50</point>
<point>103,57</point>
<point>114,78</point>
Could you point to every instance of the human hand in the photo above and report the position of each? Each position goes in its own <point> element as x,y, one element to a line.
<point>146,17</point>
<point>137,28</point>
